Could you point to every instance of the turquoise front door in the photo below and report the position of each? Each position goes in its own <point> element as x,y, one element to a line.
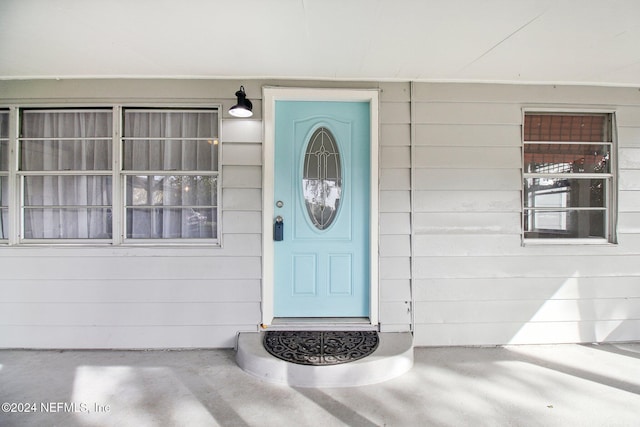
<point>321,202</point>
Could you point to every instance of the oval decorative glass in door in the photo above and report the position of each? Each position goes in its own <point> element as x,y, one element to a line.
<point>322,178</point>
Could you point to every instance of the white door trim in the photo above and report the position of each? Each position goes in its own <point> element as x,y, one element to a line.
<point>269,97</point>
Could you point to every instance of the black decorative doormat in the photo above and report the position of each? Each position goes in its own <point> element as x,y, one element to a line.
<point>320,347</point>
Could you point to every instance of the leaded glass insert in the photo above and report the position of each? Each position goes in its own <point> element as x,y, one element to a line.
<point>322,178</point>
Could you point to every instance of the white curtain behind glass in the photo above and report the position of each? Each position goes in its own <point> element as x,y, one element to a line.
<point>4,168</point>
<point>170,203</point>
<point>64,200</point>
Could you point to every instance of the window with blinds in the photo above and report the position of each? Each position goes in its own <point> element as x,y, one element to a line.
<point>568,176</point>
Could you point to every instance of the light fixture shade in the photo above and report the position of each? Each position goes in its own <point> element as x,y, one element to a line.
<point>243,107</point>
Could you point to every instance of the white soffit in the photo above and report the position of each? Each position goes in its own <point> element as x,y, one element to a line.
<point>524,41</point>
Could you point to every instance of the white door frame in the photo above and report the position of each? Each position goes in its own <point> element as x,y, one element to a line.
<point>269,98</point>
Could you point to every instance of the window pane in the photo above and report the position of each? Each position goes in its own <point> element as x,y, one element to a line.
<point>67,223</point>
<point>4,221</point>
<point>574,144</point>
<point>4,140</point>
<point>171,190</point>
<point>566,158</point>
<point>4,191</point>
<point>322,178</point>
<point>168,223</point>
<point>171,206</point>
<point>567,127</point>
<point>67,190</point>
<point>564,224</point>
<point>171,140</point>
<point>66,124</point>
<point>175,206</point>
<point>65,155</point>
<point>167,155</point>
<point>170,124</point>
<point>4,124</point>
<point>4,155</point>
<point>4,211</point>
<point>564,193</point>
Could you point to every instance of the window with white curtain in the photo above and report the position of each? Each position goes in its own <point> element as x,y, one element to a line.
<point>4,173</point>
<point>170,173</point>
<point>77,182</point>
<point>65,170</point>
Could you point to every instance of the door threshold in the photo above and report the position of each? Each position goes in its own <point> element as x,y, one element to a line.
<point>321,324</point>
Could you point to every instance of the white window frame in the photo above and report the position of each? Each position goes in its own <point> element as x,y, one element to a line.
<point>123,173</point>
<point>21,175</point>
<point>610,179</point>
<point>15,177</point>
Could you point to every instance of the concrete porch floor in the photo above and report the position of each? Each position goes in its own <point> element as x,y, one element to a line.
<point>547,385</point>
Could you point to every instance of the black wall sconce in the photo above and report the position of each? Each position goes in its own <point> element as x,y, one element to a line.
<point>243,107</point>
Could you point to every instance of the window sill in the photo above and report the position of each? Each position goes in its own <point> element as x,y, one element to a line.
<point>103,245</point>
<point>567,242</point>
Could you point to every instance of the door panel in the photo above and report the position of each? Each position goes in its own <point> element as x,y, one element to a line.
<point>321,190</point>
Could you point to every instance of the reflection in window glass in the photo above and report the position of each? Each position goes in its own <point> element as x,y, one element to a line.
<point>171,190</point>
<point>171,223</point>
<point>322,178</point>
<point>564,193</point>
<point>568,175</point>
<point>564,224</point>
<point>566,158</point>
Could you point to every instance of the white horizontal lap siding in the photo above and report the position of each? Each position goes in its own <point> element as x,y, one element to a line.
<point>89,298</point>
<point>145,297</point>
<point>242,208</point>
<point>474,283</point>
<point>629,174</point>
<point>449,228</point>
<point>395,207</point>
<point>203,298</point>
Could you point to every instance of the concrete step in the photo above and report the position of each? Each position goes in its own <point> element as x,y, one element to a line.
<point>392,358</point>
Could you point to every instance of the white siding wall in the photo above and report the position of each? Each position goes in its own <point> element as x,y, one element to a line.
<point>137,297</point>
<point>474,283</point>
<point>452,267</point>
<point>395,207</point>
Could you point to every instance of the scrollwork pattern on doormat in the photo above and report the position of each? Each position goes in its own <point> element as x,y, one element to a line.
<point>320,347</point>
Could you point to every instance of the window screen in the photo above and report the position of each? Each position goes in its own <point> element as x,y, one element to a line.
<point>568,176</point>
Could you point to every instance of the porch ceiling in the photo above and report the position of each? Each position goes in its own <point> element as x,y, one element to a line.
<point>542,41</point>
